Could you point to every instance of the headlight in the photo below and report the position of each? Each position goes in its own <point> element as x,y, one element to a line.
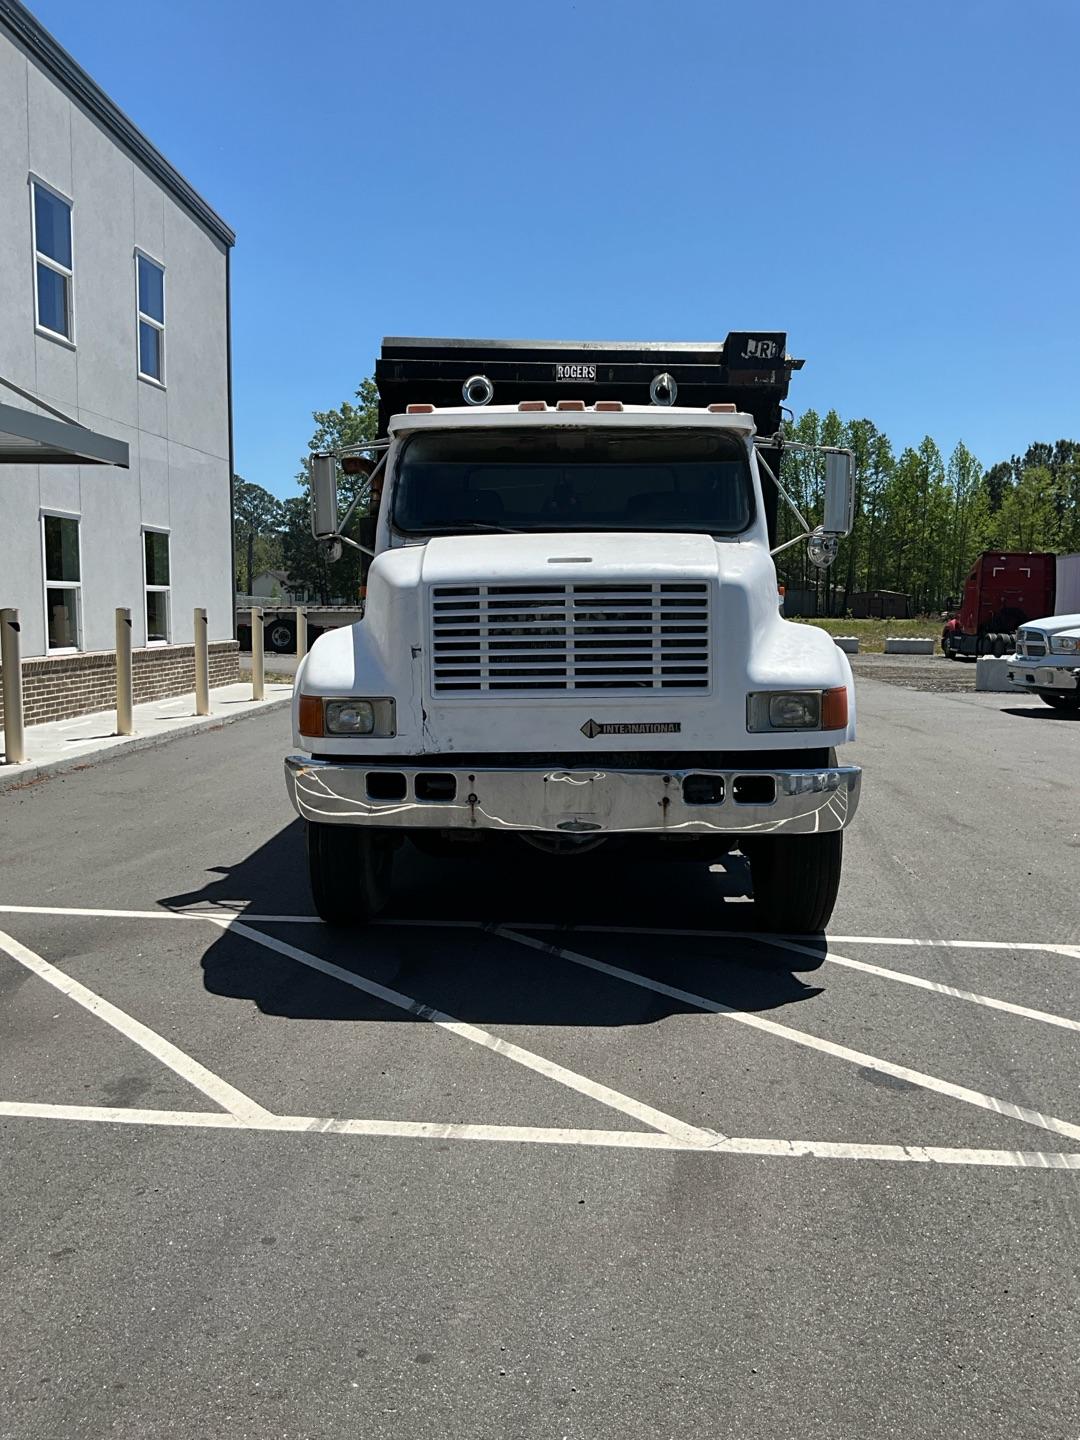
<point>350,717</point>
<point>797,710</point>
<point>1065,644</point>
<point>354,716</point>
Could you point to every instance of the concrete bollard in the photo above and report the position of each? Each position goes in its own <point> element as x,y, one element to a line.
<point>992,673</point>
<point>258,654</point>
<point>848,643</point>
<point>125,689</point>
<point>11,660</point>
<point>301,632</point>
<point>909,645</point>
<point>202,664</point>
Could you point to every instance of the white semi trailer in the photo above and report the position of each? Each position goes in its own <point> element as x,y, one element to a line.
<point>572,634</point>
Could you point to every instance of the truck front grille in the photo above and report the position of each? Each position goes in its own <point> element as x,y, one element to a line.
<point>1031,643</point>
<point>570,638</point>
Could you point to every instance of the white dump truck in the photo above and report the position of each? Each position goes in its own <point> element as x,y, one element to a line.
<point>572,634</point>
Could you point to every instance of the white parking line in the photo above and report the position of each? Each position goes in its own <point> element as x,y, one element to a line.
<point>666,1124</point>
<point>220,1091</point>
<point>237,908</point>
<point>811,1042</point>
<point>531,1135</point>
<point>666,1132</point>
<point>1072,952</point>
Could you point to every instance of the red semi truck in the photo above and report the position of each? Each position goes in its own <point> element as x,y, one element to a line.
<point>1003,591</point>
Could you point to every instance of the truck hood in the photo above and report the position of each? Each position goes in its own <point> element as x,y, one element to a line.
<point>1054,624</point>
<point>560,557</point>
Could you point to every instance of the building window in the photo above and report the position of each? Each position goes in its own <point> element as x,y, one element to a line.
<point>52,262</point>
<point>150,280</point>
<point>156,552</point>
<point>63,580</point>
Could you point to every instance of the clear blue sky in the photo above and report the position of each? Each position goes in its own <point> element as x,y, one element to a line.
<point>895,185</point>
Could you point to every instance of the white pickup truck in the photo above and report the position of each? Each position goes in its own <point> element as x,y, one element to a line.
<point>1047,660</point>
<point>572,637</point>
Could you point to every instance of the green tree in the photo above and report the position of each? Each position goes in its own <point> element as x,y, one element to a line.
<point>303,557</point>
<point>257,520</point>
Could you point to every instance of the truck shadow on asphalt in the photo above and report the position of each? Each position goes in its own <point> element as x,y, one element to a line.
<point>1043,712</point>
<point>473,974</point>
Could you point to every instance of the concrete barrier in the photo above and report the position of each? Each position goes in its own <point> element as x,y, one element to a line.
<point>992,673</point>
<point>909,645</point>
<point>848,643</point>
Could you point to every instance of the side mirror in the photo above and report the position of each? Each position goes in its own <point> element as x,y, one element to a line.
<point>324,511</point>
<point>839,492</point>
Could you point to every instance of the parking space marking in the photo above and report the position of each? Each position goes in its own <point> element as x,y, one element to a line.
<point>656,1119</point>
<point>241,1106</point>
<point>531,1135</point>
<point>1071,952</point>
<point>919,982</point>
<point>237,909</point>
<point>933,1083</point>
<point>666,1133</point>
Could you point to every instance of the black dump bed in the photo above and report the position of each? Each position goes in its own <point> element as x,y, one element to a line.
<point>751,370</point>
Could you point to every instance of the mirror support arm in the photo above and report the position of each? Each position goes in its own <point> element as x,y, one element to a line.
<point>352,544</point>
<point>790,502</point>
<point>356,500</point>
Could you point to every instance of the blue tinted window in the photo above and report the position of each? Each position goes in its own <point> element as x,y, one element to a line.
<point>52,292</point>
<point>149,350</point>
<point>151,290</point>
<point>52,221</point>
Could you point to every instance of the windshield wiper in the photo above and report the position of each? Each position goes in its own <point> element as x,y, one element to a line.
<point>471,525</point>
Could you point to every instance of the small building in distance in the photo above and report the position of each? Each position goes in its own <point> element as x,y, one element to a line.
<point>114,312</point>
<point>880,605</point>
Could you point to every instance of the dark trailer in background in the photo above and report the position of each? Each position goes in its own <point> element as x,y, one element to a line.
<point>752,371</point>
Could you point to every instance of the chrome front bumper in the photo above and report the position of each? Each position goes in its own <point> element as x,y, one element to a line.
<point>1040,676</point>
<point>578,801</point>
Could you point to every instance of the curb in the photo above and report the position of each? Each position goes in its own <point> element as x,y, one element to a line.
<point>16,776</point>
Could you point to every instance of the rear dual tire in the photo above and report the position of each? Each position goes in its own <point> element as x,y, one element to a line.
<point>795,880</point>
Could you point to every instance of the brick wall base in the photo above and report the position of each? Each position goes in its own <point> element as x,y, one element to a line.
<point>58,687</point>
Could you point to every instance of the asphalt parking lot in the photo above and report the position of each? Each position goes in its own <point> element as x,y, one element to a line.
<point>561,1148</point>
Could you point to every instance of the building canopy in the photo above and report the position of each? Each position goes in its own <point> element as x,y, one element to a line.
<point>27,439</point>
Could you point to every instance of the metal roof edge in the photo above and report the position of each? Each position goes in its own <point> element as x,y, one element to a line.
<point>28,31</point>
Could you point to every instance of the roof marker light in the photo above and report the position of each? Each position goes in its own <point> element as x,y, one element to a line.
<point>725,409</point>
<point>529,405</point>
<point>419,409</point>
<point>608,406</point>
<point>570,405</point>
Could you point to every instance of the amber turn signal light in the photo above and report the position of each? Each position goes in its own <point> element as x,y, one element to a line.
<point>834,711</point>
<point>311,715</point>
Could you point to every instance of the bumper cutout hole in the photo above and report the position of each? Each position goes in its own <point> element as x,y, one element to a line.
<point>753,789</point>
<point>703,790</point>
<point>386,785</point>
<point>436,787</point>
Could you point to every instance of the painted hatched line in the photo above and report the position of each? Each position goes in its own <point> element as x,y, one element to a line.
<point>529,1135</point>
<point>646,1114</point>
<point>239,1105</point>
<point>932,1083</point>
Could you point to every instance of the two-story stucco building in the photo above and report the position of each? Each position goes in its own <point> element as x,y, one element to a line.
<point>114,312</point>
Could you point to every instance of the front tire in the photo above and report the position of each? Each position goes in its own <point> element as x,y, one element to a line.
<point>795,880</point>
<point>1060,701</point>
<point>351,871</point>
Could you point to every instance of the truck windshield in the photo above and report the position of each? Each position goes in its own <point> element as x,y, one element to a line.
<point>530,480</point>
